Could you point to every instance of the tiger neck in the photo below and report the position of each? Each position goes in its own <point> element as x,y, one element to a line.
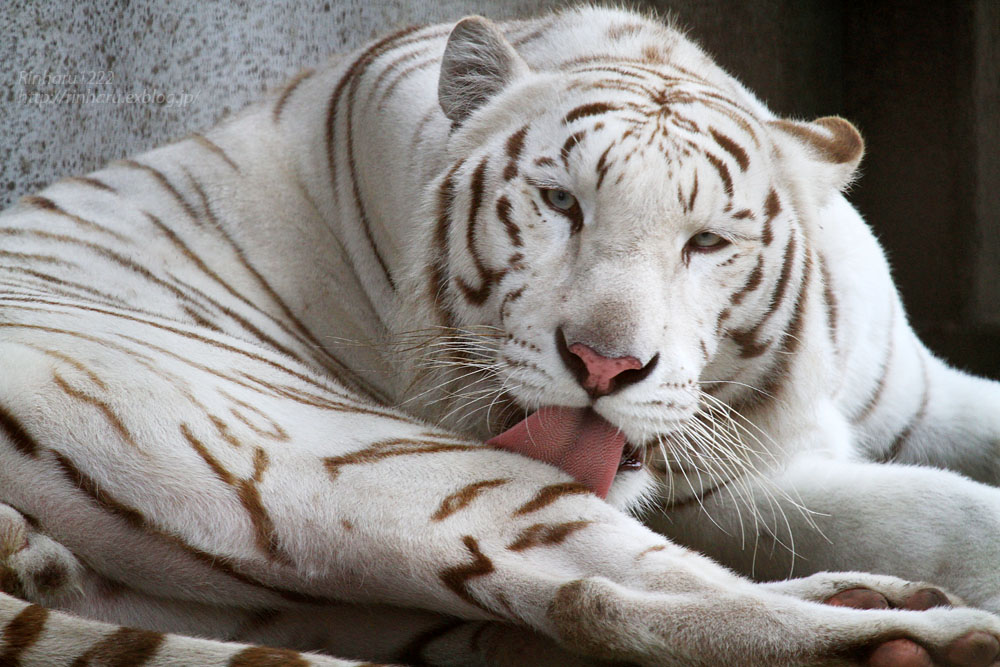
<point>362,175</point>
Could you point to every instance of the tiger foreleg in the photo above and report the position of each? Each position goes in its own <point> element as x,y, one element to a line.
<point>918,523</point>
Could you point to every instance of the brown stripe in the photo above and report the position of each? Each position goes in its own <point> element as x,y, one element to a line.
<point>207,143</point>
<point>385,449</point>
<point>602,165</point>
<point>21,633</point>
<point>402,76</point>
<point>476,187</point>
<point>753,281</point>
<point>731,147</point>
<point>35,258</point>
<point>772,207</point>
<point>487,277</point>
<point>220,471</point>
<point>275,430</point>
<point>653,549</point>
<point>892,454</point>
<point>352,71</point>
<point>694,192</point>
<point>125,647</point>
<point>748,340</point>
<point>121,260</point>
<point>224,431</point>
<point>55,354</point>
<point>439,273</point>
<point>261,656</point>
<point>92,182</point>
<point>247,325</point>
<point>509,298</point>
<point>17,434</point>
<point>283,391</point>
<point>584,110</point>
<point>138,521</point>
<point>287,92</point>
<point>461,498</point>
<point>515,144</point>
<point>339,369</point>
<point>549,494</point>
<point>456,578</point>
<point>883,377</point>
<point>386,70</point>
<point>792,339</point>
<point>571,142</point>
<point>790,342</point>
<point>503,212</point>
<point>50,206</point>
<point>352,77</point>
<point>265,533</point>
<point>109,414</point>
<point>107,299</point>
<point>165,183</point>
<point>830,300</point>
<point>723,170</point>
<point>543,534</point>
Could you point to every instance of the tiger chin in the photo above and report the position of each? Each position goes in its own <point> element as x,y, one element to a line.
<point>386,366</point>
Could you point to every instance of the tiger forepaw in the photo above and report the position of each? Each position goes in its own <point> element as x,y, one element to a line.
<point>860,590</point>
<point>34,567</point>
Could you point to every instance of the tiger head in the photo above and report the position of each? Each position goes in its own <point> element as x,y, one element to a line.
<point>625,240</point>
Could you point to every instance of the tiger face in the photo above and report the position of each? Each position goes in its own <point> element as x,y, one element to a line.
<point>633,237</point>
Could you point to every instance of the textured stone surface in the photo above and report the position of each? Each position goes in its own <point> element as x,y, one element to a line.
<point>189,63</point>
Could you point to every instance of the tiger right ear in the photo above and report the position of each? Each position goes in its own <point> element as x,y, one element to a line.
<point>832,148</point>
<point>478,63</point>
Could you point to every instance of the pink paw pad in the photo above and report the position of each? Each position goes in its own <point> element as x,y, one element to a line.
<point>975,649</point>
<point>858,598</point>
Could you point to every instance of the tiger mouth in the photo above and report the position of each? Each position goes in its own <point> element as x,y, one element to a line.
<point>630,461</point>
<point>577,440</point>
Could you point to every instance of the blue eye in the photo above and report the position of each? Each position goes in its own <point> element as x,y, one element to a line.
<point>706,240</point>
<point>559,199</point>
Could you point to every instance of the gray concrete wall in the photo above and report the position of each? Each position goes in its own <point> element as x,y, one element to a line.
<point>203,58</point>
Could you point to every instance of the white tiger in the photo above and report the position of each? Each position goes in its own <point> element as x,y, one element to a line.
<point>247,380</point>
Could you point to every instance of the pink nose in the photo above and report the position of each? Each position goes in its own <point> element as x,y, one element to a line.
<point>602,371</point>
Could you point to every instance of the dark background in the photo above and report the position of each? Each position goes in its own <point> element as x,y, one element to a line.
<point>921,80</point>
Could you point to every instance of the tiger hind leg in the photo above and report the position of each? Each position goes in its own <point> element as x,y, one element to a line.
<point>32,565</point>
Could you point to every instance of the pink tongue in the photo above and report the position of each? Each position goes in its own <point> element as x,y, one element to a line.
<point>578,440</point>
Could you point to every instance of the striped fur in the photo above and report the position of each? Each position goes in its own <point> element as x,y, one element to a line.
<point>247,379</point>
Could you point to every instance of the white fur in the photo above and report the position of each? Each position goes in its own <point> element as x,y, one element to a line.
<point>160,405</point>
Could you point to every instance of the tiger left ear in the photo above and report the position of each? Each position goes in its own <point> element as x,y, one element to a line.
<point>832,145</point>
<point>478,63</point>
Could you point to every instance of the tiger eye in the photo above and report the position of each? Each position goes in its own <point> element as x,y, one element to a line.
<point>559,199</point>
<point>707,240</point>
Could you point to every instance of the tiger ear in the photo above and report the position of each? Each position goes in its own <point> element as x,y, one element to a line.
<point>831,145</point>
<point>478,63</point>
